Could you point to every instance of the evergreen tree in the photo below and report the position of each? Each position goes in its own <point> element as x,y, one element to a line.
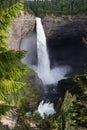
<point>66,113</point>
<point>11,68</point>
<point>56,7</point>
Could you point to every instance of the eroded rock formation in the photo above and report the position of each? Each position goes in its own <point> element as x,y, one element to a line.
<point>24,24</point>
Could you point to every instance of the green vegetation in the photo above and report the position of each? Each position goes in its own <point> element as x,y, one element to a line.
<point>5,4</point>
<point>26,99</point>
<point>63,119</point>
<point>56,7</point>
<point>11,68</point>
<point>71,110</point>
<point>13,74</point>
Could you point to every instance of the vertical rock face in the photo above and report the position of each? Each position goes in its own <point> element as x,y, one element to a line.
<point>51,23</point>
<point>57,29</point>
<point>65,27</point>
<point>24,24</point>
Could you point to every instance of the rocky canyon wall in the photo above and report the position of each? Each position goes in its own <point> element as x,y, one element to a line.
<point>57,29</point>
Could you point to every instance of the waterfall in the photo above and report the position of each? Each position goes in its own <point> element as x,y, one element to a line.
<point>43,69</point>
<point>42,66</point>
<point>42,54</point>
<point>47,75</point>
<point>43,59</point>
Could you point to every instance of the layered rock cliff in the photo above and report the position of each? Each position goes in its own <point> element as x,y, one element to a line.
<point>57,29</point>
<point>24,24</point>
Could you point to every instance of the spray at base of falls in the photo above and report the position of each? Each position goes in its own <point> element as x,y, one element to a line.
<point>43,68</point>
<point>46,108</point>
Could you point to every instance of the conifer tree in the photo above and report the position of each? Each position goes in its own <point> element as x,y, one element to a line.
<point>11,68</point>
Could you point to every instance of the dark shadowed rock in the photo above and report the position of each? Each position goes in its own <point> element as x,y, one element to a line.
<point>64,27</point>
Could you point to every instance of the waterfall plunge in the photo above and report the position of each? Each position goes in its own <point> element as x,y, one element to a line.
<point>43,59</point>
<point>48,76</point>
<point>43,69</point>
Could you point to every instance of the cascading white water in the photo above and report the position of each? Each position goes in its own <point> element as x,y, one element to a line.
<point>48,76</point>
<point>43,69</point>
<point>46,108</point>
<point>43,59</point>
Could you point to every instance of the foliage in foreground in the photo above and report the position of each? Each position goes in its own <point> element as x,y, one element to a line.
<point>71,111</point>
<point>13,74</point>
<point>11,68</point>
<point>63,119</point>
